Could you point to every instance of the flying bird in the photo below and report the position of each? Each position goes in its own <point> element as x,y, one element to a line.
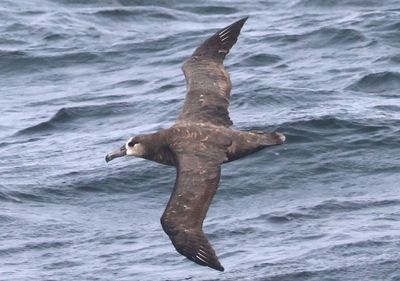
<point>199,142</point>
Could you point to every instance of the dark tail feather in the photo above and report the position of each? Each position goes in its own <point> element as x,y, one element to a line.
<point>218,45</point>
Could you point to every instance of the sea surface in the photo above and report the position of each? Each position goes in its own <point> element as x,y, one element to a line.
<point>79,77</point>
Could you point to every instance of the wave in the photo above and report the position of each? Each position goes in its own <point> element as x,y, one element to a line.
<point>330,122</point>
<point>339,3</point>
<point>328,36</point>
<point>377,82</point>
<point>328,207</point>
<point>393,27</point>
<point>67,117</point>
<point>20,61</point>
<point>328,126</point>
<point>6,219</point>
<point>333,205</point>
<point>211,10</point>
<point>258,60</point>
<point>394,59</point>
<point>369,270</point>
<point>284,218</point>
<point>123,14</point>
<point>68,114</point>
<point>124,3</point>
<point>10,41</point>
<point>4,196</point>
<point>388,108</point>
<point>137,177</point>
<point>18,197</point>
<point>320,38</point>
<point>155,46</point>
<point>36,246</point>
<point>123,84</point>
<point>353,136</point>
<point>256,96</point>
<point>132,12</point>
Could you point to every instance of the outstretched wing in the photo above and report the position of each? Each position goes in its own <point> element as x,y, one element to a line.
<point>196,183</point>
<point>208,83</point>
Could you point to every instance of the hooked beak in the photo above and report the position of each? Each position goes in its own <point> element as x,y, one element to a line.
<point>116,153</point>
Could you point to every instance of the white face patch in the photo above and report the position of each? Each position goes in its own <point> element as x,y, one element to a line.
<point>136,150</point>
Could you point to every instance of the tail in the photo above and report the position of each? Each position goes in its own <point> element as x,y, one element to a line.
<point>217,46</point>
<point>246,143</point>
<point>268,139</point>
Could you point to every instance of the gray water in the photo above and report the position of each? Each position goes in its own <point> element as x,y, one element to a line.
<point>78,78</point>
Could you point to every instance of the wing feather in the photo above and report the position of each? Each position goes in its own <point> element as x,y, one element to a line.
<point>208,83</point>
<point>196,183</point>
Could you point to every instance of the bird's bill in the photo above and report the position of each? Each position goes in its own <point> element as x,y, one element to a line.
<point>116,153</point>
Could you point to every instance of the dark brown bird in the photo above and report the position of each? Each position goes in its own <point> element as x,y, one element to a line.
<point>197,144</point>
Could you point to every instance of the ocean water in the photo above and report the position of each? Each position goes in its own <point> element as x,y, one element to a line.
<point>78,78</point>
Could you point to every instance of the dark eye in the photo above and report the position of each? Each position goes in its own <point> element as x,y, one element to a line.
<point>131,144</point>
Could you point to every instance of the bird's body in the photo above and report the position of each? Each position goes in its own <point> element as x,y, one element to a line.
<point>198,144</point>
<point>237,144</point>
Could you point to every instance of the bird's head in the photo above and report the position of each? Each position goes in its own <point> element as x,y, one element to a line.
<point>132,147</point>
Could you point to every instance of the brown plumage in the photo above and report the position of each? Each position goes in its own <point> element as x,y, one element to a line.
<point>197,144</point>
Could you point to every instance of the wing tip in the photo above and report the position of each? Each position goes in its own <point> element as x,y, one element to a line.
<point>236,27</point>
<point>238,24</point>
<point>219,45</point>
<point>219,268</point>
<point>241,21</point>
<point>213,264</point>
<point>210,261</point>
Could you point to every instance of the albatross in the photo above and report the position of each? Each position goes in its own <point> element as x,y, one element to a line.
<point>199,142</point>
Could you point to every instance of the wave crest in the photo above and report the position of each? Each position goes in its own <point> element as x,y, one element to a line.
<point>377,82</point>
<point>69,114</point>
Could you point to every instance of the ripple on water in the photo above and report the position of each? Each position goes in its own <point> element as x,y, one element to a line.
<point>333,205</point>
<point>324,37</point>
<point>328,126</point>
<point>132,14</point>
<point>337,3</point>
<point>211,10</point>
<point>21,61</point>
<point>66,115</point>
<point>387,81</point>
<point>258,60</point>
